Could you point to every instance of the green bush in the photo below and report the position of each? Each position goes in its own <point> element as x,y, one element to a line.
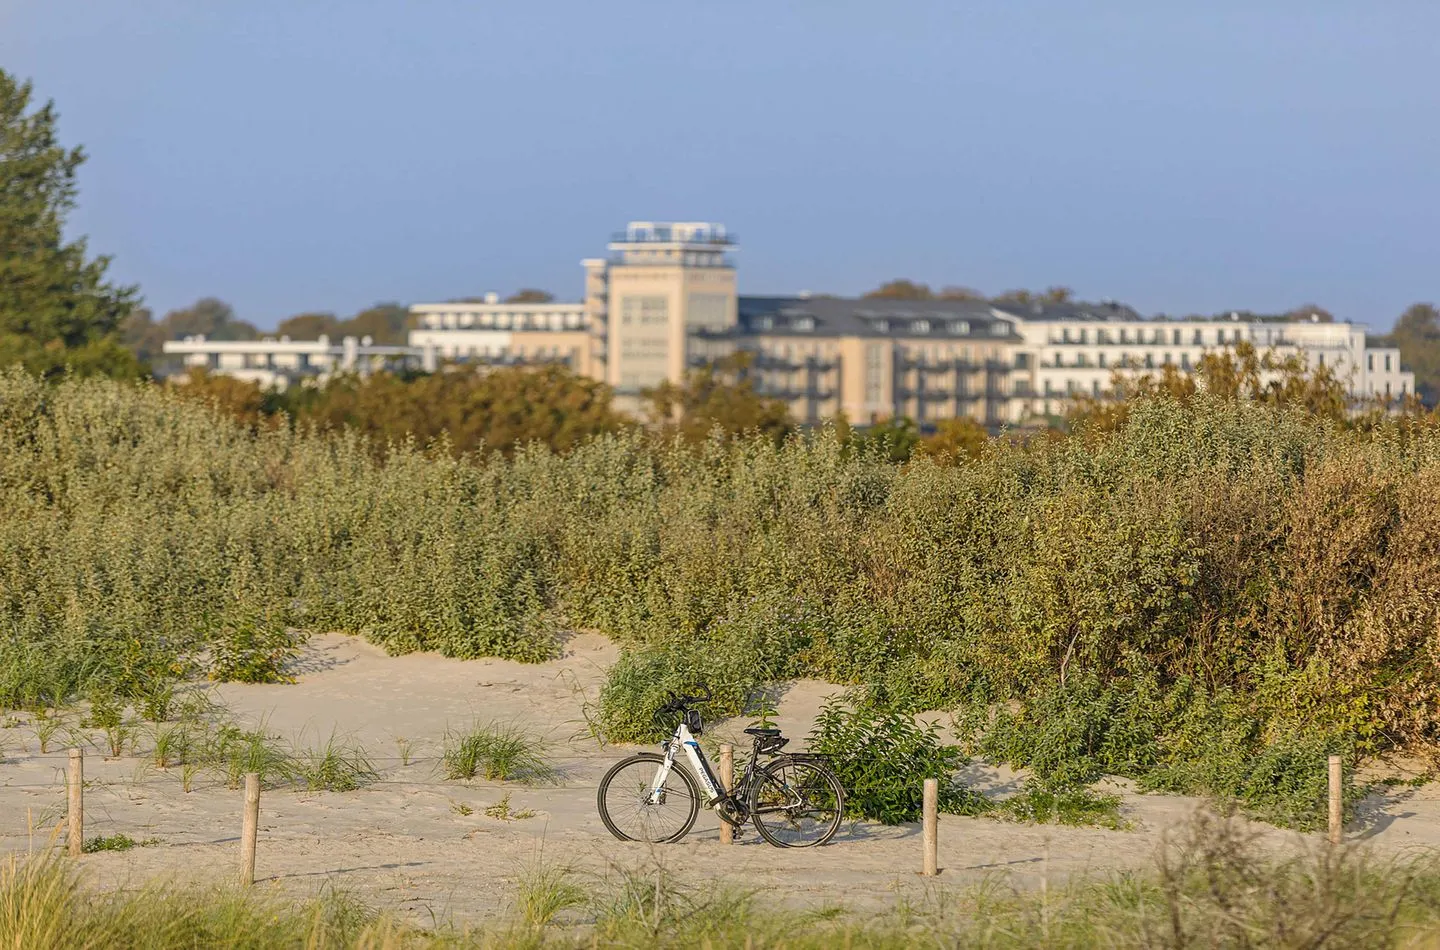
<point>1252,573</point>
<point>883,758</point>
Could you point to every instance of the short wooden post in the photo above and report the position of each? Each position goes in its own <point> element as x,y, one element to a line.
<point>727,781</point>
<point>930,815</point>
<point>249,828</point>
<point>1336,794</point>
<point>75,785</point>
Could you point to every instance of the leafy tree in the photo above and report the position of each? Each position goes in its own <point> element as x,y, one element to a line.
<point>957,292</point>
<point>955,440</point>
<point>252,406</point>
<point>214,318</point>
<point>498,410</point>
<point>1417,334</point>
<point>530,295</point>
<point>384,323</point>
<point>1242,372</point>
<point>901,289</point>
<point>56,307</point>
<point>721,395</point>
<point>309,326</point>
<point>894,438</point>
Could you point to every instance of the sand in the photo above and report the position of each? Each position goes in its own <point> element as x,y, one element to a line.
<point>420,845</point>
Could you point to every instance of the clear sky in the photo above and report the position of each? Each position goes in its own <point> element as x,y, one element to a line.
<point>292,155</point>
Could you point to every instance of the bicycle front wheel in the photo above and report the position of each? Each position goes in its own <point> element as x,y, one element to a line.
<point>796,804</point>
<point>635,810</point>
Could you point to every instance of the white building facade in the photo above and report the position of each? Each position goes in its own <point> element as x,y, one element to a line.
<point>1075,350</point>
<point>277,363</point>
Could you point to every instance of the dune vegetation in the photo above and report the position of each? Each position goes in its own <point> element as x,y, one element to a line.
<point>1209,598</point>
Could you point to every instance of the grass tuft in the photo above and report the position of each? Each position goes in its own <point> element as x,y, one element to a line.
<point>497,752</point>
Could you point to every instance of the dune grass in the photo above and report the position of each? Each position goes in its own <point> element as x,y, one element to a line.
<point>1211,887</point>
<point>497,752</point>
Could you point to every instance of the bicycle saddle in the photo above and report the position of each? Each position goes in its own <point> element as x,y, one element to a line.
<point>763,733</point>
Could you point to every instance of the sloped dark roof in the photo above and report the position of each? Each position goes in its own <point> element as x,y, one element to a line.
<point>872,317</point>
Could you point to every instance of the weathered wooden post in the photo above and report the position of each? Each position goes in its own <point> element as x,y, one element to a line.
<point>249,829</point>
<point>930,816</point>
<point>1336,799</point>
<point>727,782</point>
<point>75,786</point>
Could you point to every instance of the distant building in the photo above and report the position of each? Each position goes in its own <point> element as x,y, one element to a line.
<point>665,300</point>
<point>277,363</point>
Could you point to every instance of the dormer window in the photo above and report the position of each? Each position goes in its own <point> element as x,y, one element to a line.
<point>959,327</point>
<point>920,326</point>
<point>882,326</point>
<point>805,323</point>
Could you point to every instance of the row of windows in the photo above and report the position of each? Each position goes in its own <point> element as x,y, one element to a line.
<point>557,320</point>
<point>1158,336</point>
<point>645,311</point>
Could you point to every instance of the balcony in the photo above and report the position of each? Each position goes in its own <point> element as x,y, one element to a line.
<point>666,236</point>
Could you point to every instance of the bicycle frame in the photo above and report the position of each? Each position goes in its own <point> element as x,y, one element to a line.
<point>684,739</point>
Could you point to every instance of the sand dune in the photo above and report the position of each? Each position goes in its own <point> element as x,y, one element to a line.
<point>417,843</point>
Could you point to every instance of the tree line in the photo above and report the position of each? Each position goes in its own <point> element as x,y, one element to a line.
<point>59,312</point>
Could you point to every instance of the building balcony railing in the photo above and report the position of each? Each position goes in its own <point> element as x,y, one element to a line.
<point>669,237</point>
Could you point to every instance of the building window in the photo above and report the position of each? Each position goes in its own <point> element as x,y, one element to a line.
<point>1095,388</point>
<point>959,327</point>
<point>1022,360</point>
<point>805,323</point>
<point>1370,362</point>
<point>1175,337</point>
<point>711,311</point>
<point>874,372</point>
<point>1198,339</point>
<point>1184,360</point>
<point>1387,369</point>
<point>1322,359</point>
<point>644,311</point>
<point>920,326</point>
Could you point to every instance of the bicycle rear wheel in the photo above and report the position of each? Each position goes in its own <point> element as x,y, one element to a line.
<point>633,813</point>
<point>796,804</point>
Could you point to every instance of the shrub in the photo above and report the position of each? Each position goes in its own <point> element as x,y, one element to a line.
<point>494,751</point>
<point>883,758</point>
<point>252,649</point>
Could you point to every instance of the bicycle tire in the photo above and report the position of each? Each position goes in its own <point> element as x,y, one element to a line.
<point>691,790</point>
<point>811,820</point>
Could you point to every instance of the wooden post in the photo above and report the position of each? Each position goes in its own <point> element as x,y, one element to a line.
<point>1336,795</point>
<point>75,785</point>
<point>931,817</point>
<point>249,828</point>
<point>727,781</point>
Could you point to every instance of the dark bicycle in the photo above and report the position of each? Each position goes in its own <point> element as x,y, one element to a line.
<point>794,800</point>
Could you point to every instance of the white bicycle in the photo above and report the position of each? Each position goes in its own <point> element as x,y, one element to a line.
<point>794,800</point>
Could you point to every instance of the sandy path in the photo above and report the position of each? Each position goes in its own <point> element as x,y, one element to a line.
<point>419,844</point>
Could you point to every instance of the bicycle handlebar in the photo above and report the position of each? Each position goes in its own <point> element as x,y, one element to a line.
<point>677,703</point>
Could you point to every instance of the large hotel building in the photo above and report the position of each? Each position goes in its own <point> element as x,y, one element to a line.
<point>666,300</point>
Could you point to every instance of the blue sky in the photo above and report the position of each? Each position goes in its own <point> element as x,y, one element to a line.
<point>293,155</point>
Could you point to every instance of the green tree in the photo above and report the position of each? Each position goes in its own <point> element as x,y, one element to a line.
<point>56,307</point>
<point>721,395</point>
<point>530,295</point>
<point>383,323</point>
<point>1417,334</point>
<point>209,316</point>
<point>958,292</point>
<point>901,289</point>
<point>499,410</point>
<point>309,326</point>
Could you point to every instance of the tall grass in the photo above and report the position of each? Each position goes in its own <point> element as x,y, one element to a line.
<point>1212,887</point>
<point>1210,599</point>
<point>496,751</point>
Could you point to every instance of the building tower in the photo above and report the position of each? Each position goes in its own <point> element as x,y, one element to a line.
<point>664,283</point>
